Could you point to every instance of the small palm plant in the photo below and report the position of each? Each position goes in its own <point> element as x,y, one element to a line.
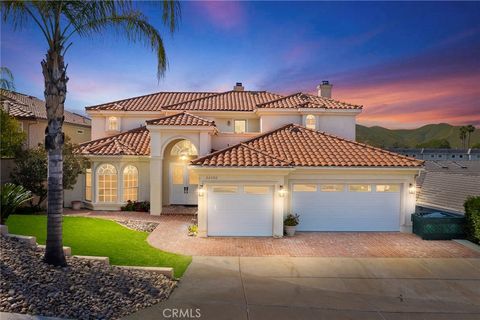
<point>12,196</point>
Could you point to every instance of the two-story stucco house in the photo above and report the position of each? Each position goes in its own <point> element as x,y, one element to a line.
<point>30,112</point>
<point>247,158</point>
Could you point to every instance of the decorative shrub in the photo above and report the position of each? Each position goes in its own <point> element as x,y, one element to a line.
<point>291,220</point>
<point>12,196</point>
<point>472,216</point>
<point>142,206</point>
<point>192,230</point>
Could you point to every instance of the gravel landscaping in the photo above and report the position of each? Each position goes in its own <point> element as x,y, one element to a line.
<point>83,290</point>
<point>139,225</point>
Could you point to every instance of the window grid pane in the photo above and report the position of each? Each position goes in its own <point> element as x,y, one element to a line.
<point>359,188</point>
<point>130,183</point>
<point>304,187</point>
<point>387,188</point>
<point>107,183</point>
<point>240,126</point>
<point>88,185</point>
<point>332,187</point>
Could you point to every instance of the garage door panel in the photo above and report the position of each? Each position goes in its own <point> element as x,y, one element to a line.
<point>240,214</point>
<point>347,211</point>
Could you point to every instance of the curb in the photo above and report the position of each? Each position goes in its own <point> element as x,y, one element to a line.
<point>166,271</point>
<point>468,244</point>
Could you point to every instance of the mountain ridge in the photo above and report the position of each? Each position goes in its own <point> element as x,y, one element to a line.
<point>410,138</point>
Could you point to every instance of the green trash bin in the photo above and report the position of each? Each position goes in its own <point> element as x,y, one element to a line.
<point>439,226</point>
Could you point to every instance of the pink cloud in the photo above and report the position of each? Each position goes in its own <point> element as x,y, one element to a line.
<point>223,14</point>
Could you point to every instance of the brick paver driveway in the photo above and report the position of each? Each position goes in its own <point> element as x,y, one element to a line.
<point>171,235</point>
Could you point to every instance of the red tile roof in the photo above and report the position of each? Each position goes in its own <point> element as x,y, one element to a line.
<point>224,101</point>
<point>151,102</point>
<point>304,100</point>
<point>181,119</point>
<point>135,142</point>
<point>24,106</point>
<point>294,145</point>
<point>227,101</point>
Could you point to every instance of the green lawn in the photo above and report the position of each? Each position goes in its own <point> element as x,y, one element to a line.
<point>98,237</point>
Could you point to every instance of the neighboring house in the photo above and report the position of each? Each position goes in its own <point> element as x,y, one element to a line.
<point>439,154</point>
<point>32,115</point>
<point>275,155</point>
<point>445,185</point>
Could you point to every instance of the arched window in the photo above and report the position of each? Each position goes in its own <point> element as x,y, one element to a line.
<point>107,183</point>
<point>113,124</point>
<point>184,148</point>
<point>311,122</point>
<point>130,183</point>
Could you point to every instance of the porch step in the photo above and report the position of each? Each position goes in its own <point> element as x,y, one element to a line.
<point>187,210</point>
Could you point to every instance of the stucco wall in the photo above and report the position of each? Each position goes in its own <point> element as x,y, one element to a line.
<point>76,194</point>
<point>272,122</point>
<point>35,131</point>
<point>339,125</point>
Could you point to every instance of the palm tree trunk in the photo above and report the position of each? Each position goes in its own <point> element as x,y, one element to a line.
<point>54,72</point>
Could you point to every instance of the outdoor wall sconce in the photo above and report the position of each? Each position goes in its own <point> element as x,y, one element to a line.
<point>201,191</point>
<point>282,192</point>
<point>411,189</point>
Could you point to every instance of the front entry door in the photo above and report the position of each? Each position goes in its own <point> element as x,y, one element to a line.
<point>183,185</point>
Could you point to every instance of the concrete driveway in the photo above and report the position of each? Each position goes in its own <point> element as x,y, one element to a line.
<point>324,288</point>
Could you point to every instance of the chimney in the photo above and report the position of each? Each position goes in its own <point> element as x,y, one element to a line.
<point>238,87</point>
<point>325,89</point>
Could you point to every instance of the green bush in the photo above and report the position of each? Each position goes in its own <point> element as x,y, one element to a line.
<point>291,220</point>
<point>12,197</point>
<point>142,206</point>
<point>472,216</point>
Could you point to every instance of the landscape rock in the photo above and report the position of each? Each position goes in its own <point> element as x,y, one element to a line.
<point>85,289</point>
<point>139,225</point>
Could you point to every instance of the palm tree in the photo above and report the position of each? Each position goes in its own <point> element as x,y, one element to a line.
<point>470,129</point>
<point>463,135</point>
<point>59,21</point>
<point>6,79</point>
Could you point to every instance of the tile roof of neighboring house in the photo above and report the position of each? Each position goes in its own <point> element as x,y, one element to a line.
<point>304,100</point>
<point>294,145</point>
<point>151,102</point>
<point>447,184</point>
<point>227,101</point>
<point>181,119</point>
<point>135,142</point>
<point>24,106</point>
<point>221,101</point>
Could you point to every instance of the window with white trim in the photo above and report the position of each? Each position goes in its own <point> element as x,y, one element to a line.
<point>107,183</point>
<point>130,183</point>
<point>304,187</point>
<point>359,188</point>
<point>311,122</point>
<point>240,126</point>
<point>332,187</point>
<point>256,189</point>
<point>113,124</point>
<point>387,188</point>
<point>225,189</point>
<point>88,185</point>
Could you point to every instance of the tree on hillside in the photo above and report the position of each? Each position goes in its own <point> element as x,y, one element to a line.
<point>31,170</point>
<point>11,135</point>
<point>435,143</point>
<point>463,135</point>
<point>6,79</point>
<point>470,129</point>
<point>58,21</point>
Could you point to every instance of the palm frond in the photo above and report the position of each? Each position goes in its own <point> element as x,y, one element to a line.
<point>135,27</point>
<point>6,79</point>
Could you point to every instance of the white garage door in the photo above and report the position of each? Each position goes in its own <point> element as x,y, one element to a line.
<point>347,206</point>
<point>240,210</point>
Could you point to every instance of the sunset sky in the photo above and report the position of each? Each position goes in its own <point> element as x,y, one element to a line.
<point>409,64</point>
